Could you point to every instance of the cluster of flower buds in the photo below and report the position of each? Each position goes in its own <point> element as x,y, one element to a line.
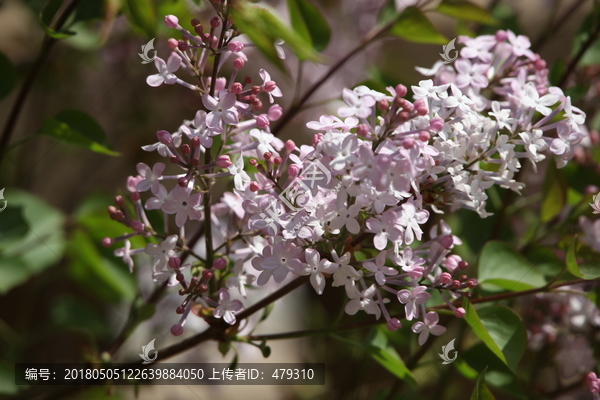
<point>351,206</point>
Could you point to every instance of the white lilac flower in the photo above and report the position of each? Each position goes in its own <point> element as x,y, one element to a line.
<point>162,252</point>
<point>222,110</point>
<point>379,269</point>
<point>227,307</point>
<point>413,299</point>
<point>151,177</point>
<point>429,325</point>
<point>357,106</point>
<point>363,300</point>
<point>165,71</point>
<point>183,204</point>
<point>315,267</point>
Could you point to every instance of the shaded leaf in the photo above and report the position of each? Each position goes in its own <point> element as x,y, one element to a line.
<point>472,318</point>
<point>554,194</point>
<point>7,76</point>
<point>89,10</point>
<point>571,259</point>
<point>80,129</point>
<point>466,11</point>
<point>499,264</point>
<point>378,347</point>
<point>508,332</point>
<point>413,25</point>
<point>481,392</point>
<point>308,22</point>
<point>12,224</point>
<point>142,15</point>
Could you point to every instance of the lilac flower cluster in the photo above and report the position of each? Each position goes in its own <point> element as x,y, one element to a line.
<point>352,205</point>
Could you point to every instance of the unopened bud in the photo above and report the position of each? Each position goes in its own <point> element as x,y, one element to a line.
<point>421,107</point>
<point>256,90</point>
<point>501,36</point>
<point>277,160</point>
<point>235,46</point>
<point>455,284</point>
<point>203,288</point>
<point>215,22</point>
<point>183,181</point>
<point>270,86</point>
<point>274,112</point>
<point>472,283</point>
<point>424,136</point>
<point>394,324</point>
<point>199,29</point>
<point>183,45</point>
<point>180,310</point>
<point>164,137</point>
<point>290,145</point>
<point>185,149</point>
<point>257,104</point>
<point>254,187</point>
<point>237,88</point>
<point>219,263</point>
<point>137,226</point>
<point>135,196</point>
<point>174,262</point>
<point>460,312</point>
<point>195,22</point>
<point>207,274</point>
<point>107,242</point>
<point>447,241</point>
<point>383,105</point>
<point>293,170</point>
<point>253,162</point>
<point>401,90</point>
<point>247,80</point>
<point>224,161</point>
<point>262,121</point>
<point>446,278</point>
<point>171,21</point>
<point>362,130</point>
<point>408,142</point>
<point>238,63</point>
<point>267,156</point>
<point>317,139</point>
<point>119,201</point>
<point>172,43</point>
<point>463,265</point>
<point>176,330</point>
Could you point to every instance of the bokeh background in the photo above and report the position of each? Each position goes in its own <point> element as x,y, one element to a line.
<point>64,298</point>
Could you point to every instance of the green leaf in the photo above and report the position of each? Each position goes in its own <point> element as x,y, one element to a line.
<point>263,28</point>
<point>78,128</point>
<point>308,23</point>
<point>413,25</point>
<point>500,265</point>
<point>96,273</point>
<point>466,11</point>
<point>500,329</point>
<point>42,245</point>
<point>590,270</point>
<point>481,392</point>
<point>571,259</point>
<point>592,54</point>
<point>47,15</point>
<point>554,194</point>
<point>388,12</point>
<point>557,71</point>
<point>7,76</point>
<point>142,15</point>
<point>89,10</point>
<point>378,347</point>
<point>13,225</point>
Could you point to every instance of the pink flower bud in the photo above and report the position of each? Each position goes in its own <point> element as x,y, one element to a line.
<point>501,36</point>
<point>238,63</point>
<point>256,90</point>
<point>362,130</point>
<point>176,330</point>
<point>403,116</point>
<point>195,141</point>
<point>235,46</point>
<point>215,22</point>
<point>224,161</point>
<point>183,45</point>
<point>293,170</point>
<point>383,105</point>
<point>247,80</point>
<point>460,312</point>
<point>463,265</point>
<point>119,201</point>
<point>277,160</point>
<point>171,21</point>
<point>256,104</point>
<point>262,121</point>
<point>290,145</point>
<point>316,139</point>
<point>275,112</point>
<point>185,149</point>
<point>424,136</point>
<point>207,274</point>
<point>172,43</point>
<point>203,288</point>
<point>164,137</point>
<point>253,162</point>
<point>455,284</point>
<point>421,107</point>
<point>135,196</point>
<point>254,187</point>
<point>118,216</point>
<point>446,278</point>
<point>199,29</point>
<point>436,124</point>
<point>401,90</point>
<point>463,278</point>
<point>472,283</point>
<point>174,262</point>
<point>183,181</point>
<point>267,156</point>
<point>408,142</point>
<point>394,324</point>
<point>137,226</point>
<point>180,310</point>
<point>540,64</point>
<point>107,242</point>
<point>270,86</point>
<point>237,88</point>
<point>219,263</point>
<point>447,241</point>
<point>591,377</point>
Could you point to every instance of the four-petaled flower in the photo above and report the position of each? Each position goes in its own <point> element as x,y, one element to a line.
<point>162,252</point>
<point>428,326</point>
<point>165,71</point>
<point>227,307</point>
<point>151,177</point>
<point>379,269</point>
<point>221,110</point>
<point>184,204</point>
<point>363,301</point>
<point>315,267</point>
<point>412,299</point>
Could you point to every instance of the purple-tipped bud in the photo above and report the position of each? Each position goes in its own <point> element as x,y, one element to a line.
<point>195,22</point>
<point>172,43</point>
<point>135,196</point>
<point>460,312</point>
<point>174,262</point>
<point>394,324</point>
<point>262,121</point>
<point>185,149</point>
<point>290,145</point>
<point>254,187</point>
<point>180,310</point>
<point>383,105</point>
<point>238,63</point>
<point>203,288</point>
<point>267,156</point>
<point>235,46</point>
<point>176,330</point>
<point>119,201</point>
<point>456,284</point>
<point>171,21</point>
<point>436,124</point>
<point>401,90</point>
<point>183,181</point>
<point>199,29</point>
<point>446,278</point>
<point>256,104</point>
<point>362,130</point>
<point>219,263</point>
<point>137,226</point>
<point>277,160</point>
<point>195,141</point>
<point>253,162</point>
<point>207,274</point>
<point>463,265</point>
<point>224,161</point>
<point>421,107</point>
<point>107,242</point>
<point>275,112</point>
<point>164,137</point>
<point>183,45</point>
<point>293,170</point>
<point>270,86</point>
<point>237,88</point>
<point>472,283</point>
<point>447,241</point>
<point>215,22</point>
